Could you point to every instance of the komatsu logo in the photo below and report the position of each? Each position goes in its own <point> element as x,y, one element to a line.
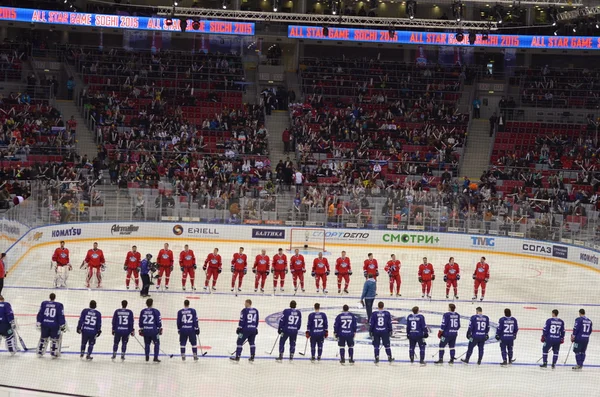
<point>66,232</point>
<point>588,258</point>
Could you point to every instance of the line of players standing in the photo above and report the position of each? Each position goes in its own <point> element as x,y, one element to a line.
<point>263,266</point>
<point>52,324</point>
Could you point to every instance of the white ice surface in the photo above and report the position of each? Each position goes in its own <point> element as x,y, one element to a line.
<point>531,288</point>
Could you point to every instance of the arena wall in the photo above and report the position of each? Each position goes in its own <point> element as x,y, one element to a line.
<point>335,239</point>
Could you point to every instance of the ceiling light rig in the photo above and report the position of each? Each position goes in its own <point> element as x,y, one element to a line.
<point>320,20</point>
<point>411,9</point>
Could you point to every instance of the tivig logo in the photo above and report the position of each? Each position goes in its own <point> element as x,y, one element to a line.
<point>483,241</point>
<point>178,230</point>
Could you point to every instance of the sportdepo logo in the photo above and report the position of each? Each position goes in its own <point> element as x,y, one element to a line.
<point>178,230</point>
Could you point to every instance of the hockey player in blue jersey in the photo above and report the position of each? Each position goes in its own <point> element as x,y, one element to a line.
<point>448,333</point>
<point>380,329</point>
<point>90,327</point>
<point>582,330</point>
<point>417,332</point>
<point>122,327</point>
<point>51,322</point>
<point>477,333</point>
<point>8,326</point>
<point>344,330</point>
<point>247,330</point>
<point>506,333</point>
<point>316,330</point>
<point>289,325</point>
<point>150,327</point>
<point>188,328</point>
<point>553,335</point>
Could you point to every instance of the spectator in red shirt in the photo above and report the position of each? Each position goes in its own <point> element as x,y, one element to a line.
<point>286,140</point>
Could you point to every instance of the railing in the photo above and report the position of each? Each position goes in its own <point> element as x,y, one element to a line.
<point>274,209</point>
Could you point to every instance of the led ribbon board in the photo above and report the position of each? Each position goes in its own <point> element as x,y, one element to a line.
<point>122,21</point>
<point>445,39</point>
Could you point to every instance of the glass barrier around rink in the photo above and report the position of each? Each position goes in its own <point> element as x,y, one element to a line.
<point>52,203</point>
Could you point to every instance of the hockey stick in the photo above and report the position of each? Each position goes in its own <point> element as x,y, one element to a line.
<point>139,343</point>
<point>305,346</point>
<point>22,342</point>
<point>539,359</point>
<point>163,352</point>
<point>273,348</point>
<point>461,355</point>
<point>202,352</point>
<point>568,352</point>
<point>231,354</point>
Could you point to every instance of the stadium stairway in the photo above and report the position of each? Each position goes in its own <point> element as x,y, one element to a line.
<point>85,138</point>
<point>278,121</point>
<point>477,152</point>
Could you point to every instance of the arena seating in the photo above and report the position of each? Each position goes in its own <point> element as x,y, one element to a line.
<point>558,87</point>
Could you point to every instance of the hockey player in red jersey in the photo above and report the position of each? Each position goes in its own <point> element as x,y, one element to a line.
<point>451,277</point>
<point>481,275</point>
<point>187,264</point>
<point>62,266</point>
<point>426,276</point>
<point>261,269</point>
<point>94,260</point>
<point>393,270</point>
<point>320,271</point>
<point>298,268</point>
<point>213,267</point>
<point>165,265</point>
<point>343,271</point>
<point>280,269</point>
<point>133,261</point>
<point>239,268</point>
<point>370,267</point>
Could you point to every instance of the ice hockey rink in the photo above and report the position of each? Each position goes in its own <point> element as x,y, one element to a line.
<point>530,287</point>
